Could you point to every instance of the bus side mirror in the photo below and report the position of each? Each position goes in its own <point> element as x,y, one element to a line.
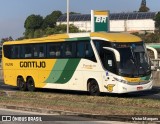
<point>116,53</point>
<point>154,51</point>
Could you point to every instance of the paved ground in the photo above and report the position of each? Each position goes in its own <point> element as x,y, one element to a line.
<point>18,117</point>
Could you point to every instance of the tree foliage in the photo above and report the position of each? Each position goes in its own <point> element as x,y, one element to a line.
<point>149,37</point>
<point>38,33</point>
<point>36,26</point>
<point>50,20</point>
<point>157,21</point>
<point>6,39</point>
<point>33,22</point>
<point>72,13</point>
<point>61,29</point>
<point>144,9</point>
<point>29,33</point>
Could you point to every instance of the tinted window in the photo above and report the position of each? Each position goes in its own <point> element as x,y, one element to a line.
<point>80,50</point>
<point>35,51</point>
<point>27,51</point>
<point>51,50</point>
<point>84,50</point>
<point>55,50</point>
<point>70,49</point>
<point>16,51</point>
<point>42,50</point>
<point>88,50</point>
<point>7,51</point>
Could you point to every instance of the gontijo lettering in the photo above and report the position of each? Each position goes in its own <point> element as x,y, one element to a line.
<point>32,64</point>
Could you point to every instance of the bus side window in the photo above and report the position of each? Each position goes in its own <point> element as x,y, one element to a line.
<point>7,49</point>
<point>80,50</point>
<point>52,51</point>
<point>27,51</point>
<point>89,54</point>
<point>35,51</point>
<point>70,49</point>
<point>42,50</point>
<point>16,52</point>
<point>97,45</point>
<point>58,50</point>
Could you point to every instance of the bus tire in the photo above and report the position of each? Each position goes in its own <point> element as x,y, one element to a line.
<point>21,84</point>
<point>93,88</point>
<point>30,84</point>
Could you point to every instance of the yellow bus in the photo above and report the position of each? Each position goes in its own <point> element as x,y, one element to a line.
<point>95,62</point>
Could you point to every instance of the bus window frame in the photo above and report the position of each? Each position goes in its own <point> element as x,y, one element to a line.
<point>61,45</point>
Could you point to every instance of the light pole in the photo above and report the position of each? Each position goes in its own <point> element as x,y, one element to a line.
<point>67,16</point>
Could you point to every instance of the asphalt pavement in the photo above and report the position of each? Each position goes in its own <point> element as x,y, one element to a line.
<point>8,116</point>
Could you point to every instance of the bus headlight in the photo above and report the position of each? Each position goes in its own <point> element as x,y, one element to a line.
<point>119,80</point>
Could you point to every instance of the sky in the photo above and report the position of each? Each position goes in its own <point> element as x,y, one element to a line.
<point>13,13</point>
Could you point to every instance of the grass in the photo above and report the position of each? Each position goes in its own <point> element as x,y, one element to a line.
<point>103,105</point>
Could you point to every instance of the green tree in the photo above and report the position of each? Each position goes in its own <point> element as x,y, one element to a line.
<point>73,29</point>
<point>29,33</point>
<point>149,37</point>
<point>50,20</point>
<point>6,39</point>
<point>36,26</point>
<point>38,33</point>
<point>63,28</point>
<point>144,9</point>
<point>49,31</point>
<point>157,21</point>
<point>71,13</point>
<point>33,22</point>
<point>20,38</point>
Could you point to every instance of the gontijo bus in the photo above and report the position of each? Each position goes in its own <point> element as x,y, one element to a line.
<point>94,62</point>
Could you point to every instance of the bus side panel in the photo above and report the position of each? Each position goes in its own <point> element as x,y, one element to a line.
<point>9,72</point>
<point>9,77</point>
<point>62,73</point>
<point>86,70</point>
<point>45,74</point>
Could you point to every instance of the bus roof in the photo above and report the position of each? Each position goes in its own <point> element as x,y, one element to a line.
<point>112,37</point>
<point>117,37</point>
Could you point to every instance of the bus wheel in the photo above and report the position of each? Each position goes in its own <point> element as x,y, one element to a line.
<point>93,88</point>
<point>21,84</point>
<point>30,84</point>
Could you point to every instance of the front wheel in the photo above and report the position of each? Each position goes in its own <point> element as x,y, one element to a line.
<point>93,88</point>
<point>30,84</point>
<point>21,84</point>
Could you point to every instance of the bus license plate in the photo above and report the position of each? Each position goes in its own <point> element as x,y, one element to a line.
<point>139,88</point>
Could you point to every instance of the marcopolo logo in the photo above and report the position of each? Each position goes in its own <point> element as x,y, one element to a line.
<point>101,19</point>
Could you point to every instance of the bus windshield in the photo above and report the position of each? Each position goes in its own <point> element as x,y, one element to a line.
<point>134,61</point>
